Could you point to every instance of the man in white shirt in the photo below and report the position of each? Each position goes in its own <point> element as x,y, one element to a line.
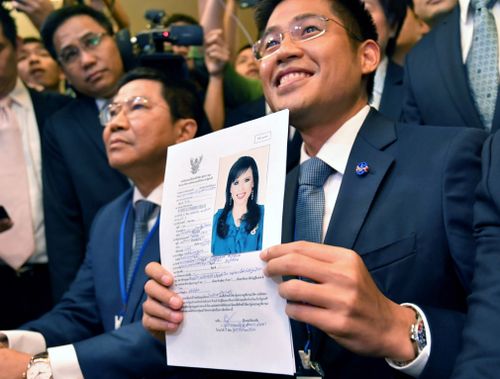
<point>23,254</point>
<point>391,258</point>
<point>95,330</point>
<point>438,89</point>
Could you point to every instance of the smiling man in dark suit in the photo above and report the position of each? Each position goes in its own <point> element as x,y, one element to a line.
<point>79,179</point>
<point>389,256</point>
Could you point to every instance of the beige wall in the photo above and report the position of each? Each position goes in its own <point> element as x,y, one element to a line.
<point>136,9</point>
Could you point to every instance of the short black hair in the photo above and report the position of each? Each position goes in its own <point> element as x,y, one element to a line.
<point>395,13</point>
<point>180,95</point>
<point>356,19</point>
<point>9,27</point>
<point>181,17</point>
<point>60,16</point>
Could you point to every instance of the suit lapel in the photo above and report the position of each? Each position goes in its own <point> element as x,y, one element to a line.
<point>357,192</point>
<point>449,56</point>
<point>151,254</point>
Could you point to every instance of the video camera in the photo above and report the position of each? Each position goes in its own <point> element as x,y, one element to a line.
<point>147,48</point>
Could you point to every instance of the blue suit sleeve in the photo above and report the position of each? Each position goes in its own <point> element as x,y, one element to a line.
<point>462,173</point>
<point>480,356</point>
<point>76,316</point>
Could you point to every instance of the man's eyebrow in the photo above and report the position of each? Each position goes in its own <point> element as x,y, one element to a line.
<point>296,18</point>
<point>80,38</point>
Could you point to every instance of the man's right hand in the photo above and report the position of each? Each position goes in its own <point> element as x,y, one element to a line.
<point>162,308</point>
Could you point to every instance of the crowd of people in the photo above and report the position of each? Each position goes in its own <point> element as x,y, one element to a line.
<point>391,227</point>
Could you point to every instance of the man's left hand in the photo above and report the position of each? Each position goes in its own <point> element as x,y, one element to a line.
<point>342,300</point>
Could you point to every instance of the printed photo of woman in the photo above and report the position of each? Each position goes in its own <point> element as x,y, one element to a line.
<point>237,228</point>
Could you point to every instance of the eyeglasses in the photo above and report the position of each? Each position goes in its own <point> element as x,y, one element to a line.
<point>302,29</point>
<point>89,42</point>
<point>133,107</point>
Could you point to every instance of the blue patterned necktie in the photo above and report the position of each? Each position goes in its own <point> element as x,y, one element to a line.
<point>311,200</point>
<point>143,211</point>
<point>482,61</point>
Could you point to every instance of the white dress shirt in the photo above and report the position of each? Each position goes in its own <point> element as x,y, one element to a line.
<point>25,114</point>
<point>467,25</point>
<point>335,152</point>
<point>63,359</point>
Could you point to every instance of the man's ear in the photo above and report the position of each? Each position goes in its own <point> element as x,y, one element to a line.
<point>186,129</point>
<point>370,56</point>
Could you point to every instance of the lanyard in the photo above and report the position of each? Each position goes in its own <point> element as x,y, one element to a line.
<point>124,291</point>
<point>305,354</point>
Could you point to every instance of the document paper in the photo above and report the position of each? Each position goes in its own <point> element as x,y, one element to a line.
<point>234,318</point>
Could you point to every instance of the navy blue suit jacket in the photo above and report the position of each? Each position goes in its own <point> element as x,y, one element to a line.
<point>78,181</point>
<point>45,104</point>
<point>392,95</point>
<point>480,357</point>
<point>436,85</point>
<point>85,315</point>
<point>410,219</point>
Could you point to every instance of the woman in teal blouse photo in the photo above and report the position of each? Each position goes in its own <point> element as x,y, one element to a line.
<point>237,228</point>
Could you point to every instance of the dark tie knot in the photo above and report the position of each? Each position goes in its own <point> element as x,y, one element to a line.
<point>143,211</point>
<point>314,172</point>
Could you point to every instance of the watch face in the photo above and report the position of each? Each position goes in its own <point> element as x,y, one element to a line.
<point>39,370</point>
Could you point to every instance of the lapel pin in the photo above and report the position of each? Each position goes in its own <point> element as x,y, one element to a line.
<point>362,169</point>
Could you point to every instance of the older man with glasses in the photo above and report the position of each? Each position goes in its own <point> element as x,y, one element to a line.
<point>78,178</point>
<point>95,330</point>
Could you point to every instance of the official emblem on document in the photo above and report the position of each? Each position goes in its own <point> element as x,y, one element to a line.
<point>195,164</point>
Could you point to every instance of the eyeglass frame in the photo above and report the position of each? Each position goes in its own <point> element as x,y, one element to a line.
<point>82,46</point>
<point>255,46</point>
<point>106,119</point>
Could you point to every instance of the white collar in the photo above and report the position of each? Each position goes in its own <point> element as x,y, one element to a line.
<point>155,196</point>
<point>336,150</point>
<point>20,95</point>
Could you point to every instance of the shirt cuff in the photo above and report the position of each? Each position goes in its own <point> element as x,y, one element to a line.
<point>415,367</point>
<point>64,362</point>
<point>25,341</point>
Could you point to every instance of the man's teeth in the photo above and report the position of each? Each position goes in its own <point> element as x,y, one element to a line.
<point>292,76</point>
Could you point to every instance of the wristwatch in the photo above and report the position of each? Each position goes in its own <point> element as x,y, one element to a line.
<point>417,333</point>
<point>39,367</point>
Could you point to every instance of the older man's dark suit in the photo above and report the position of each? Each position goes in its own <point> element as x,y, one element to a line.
<point>85,315</point>
<point>78,181</point>
<point>410,219</point>
<point>480,357</point>
<point>436,85</point>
